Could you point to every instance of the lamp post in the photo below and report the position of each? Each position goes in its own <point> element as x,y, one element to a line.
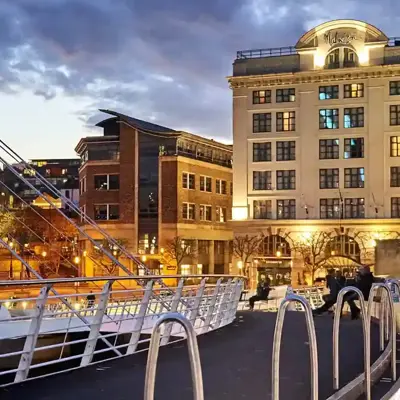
<point>11,261</point>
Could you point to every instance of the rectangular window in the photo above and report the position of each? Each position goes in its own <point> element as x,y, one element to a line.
<point>353,90</point>
<point>395,207</point>
<point>205,184</point>
<point>395,88</point>
<point>82,185</point>
<point>353,117</point>
<point>286,209</point>
<point>329,208</point>
<point>188,211</point>
<point>394,176</point>
<point>328,149</point>
<point>328,92</point>
<point>106,212</point>
<point>395,115</point>
<point>285,151</point>
<point>285,95</point>
<point>329,118</point>
<point>354,208</point>
<point>220,213</point>
<point>231,187</point>
<point>220,186</point>
<point>329,178</point>
<point>106,182</point>
<point>262,209</point>
<point>395,146</point>
<point>262,180</point>
<point>286,121</point>
<point>354,177</point>
<point>205,213</point>
<point>262,122</point>
<point>286,180</point>
<point>261,96</point>
<point>261,152</point>
<point>354,148</point>
<point>188,181</point>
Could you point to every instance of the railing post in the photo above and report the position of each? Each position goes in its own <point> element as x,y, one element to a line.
<point>211,307</point>
<point>196,303</point>
<point>222,305</point>
<point>32,336</point>
<point>231,303</point>
<point>174,307</point>
<point>96,325</point>
<point>139,320</point>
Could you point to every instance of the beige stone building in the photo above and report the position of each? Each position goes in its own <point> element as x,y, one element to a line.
<point>321,125</point>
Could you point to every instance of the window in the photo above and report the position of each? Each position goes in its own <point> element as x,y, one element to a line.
<point>220,213</point>
<point>328,92</point>
<point>328,149</point>
<point>82,185</point>
<point>205,184</point>
<point>261,152</point>
<point>394,176</point>
<point>395,115</point>
<point>274,243</point>
<point>354,148</point>
<point>262,122</point>
<point>220,186</point>
<point>329,208</point>
<point>354,208</point>
<point>262,209</point>
<point>106,182</point>
<point>395,88</point>
<point>205,213</point>
<point>262,180</point>
<point>286,209</point>
<point>231,191</point>
<point>188,211</point>
<point>286,180</point>
<point>395,146</point>
<point>286,121</point>
<point>285,95</point>
<point>261,96</point>
<point>354,177</point>
<point>354,117</point>
<point>354,90</point>
<point>395,207</point>
<point>350,58</point>
<point>329,118</point>
<point>106,212</point>
<point>188,181</point>
<point>333,59</point>
<point>285,151</point>
<point>329,178</point>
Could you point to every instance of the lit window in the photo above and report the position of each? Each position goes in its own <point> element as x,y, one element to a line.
<point>286,121</point>
<point>261,96</point>
<point>354,90</point>
<point>354,117</point>
<point>354,177</point>
<point>329,118</point>
<point>262,209</point>
<point>221,214</point>
<point>395,146</point>
<point>205,213</point>
<point>328,92</point>
<point>354,148</point>
<point>188,211</point>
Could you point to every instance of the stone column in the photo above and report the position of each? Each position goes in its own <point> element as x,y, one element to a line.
<point>195,258</point>
<point>227,258</point>
<point>211,257</point>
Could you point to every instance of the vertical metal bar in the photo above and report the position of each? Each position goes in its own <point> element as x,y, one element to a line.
<point>312,339</point>
<point>96,325</point>
<point>211,307</point>
<point>366,334</point>
<point>139,320</point>
<point>222,305</point>
<point>32,336</point>
<point>174,308</point>
<point>196,303</point>
<point>231,302</point>
<point>194,356</point>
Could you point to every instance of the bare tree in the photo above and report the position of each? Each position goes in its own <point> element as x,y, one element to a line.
<point>245,247</point>
<point>177,249</point>
<point>312,249</point>
<point>109,265</point>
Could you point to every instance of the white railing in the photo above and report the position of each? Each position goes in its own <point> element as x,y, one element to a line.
<point>53,328</point>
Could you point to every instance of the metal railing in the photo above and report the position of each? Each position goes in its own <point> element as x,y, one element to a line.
<point>271,52</point>
<point>44,333</point>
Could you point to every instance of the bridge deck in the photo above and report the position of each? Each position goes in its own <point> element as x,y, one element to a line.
<point>236,365</point>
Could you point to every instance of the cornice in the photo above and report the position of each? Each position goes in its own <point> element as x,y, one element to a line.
<point>316,76</point>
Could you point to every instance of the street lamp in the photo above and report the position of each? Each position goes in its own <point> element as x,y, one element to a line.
<point>278,253</point>
<point>240,265</point>
<point>77,260</point>
<point>44,254</point>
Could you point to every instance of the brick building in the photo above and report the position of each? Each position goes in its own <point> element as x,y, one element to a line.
<point>148,185</point>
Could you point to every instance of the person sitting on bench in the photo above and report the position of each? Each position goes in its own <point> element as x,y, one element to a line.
<point>263,289</point>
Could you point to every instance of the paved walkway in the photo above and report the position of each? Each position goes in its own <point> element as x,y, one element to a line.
<point>236,365</point>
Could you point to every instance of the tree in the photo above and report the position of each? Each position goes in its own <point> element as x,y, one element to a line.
<point>177,249</point>
<point>245,247</point>
<point>100,258</point>
<point>311,247</point>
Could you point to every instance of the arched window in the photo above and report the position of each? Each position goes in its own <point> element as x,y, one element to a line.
<point>342,57</point>
<point>275,246</point>
<point>343,245</point>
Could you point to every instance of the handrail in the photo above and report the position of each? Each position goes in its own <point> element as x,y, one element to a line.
<point>312,338</point>
<point>194,356</point>
<point>366,333</point>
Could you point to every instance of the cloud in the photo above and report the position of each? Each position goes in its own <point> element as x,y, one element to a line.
<point>162,60</point>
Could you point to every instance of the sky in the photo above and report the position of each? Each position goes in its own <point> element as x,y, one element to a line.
<point>165,61</point>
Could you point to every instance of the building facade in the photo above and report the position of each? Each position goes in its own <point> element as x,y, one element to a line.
<point>149,185</point>
<point>321,125</point>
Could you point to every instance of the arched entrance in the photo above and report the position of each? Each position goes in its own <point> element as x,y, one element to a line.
<point>347,265</point>
<point>343,245</point>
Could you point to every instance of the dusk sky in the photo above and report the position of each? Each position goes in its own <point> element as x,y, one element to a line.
<point>165,61</point>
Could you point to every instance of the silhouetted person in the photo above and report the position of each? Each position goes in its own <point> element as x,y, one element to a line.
<point>263,290</point>
<point>334,282</point>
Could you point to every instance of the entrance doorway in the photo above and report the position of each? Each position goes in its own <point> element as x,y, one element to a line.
<point>278,272</point>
